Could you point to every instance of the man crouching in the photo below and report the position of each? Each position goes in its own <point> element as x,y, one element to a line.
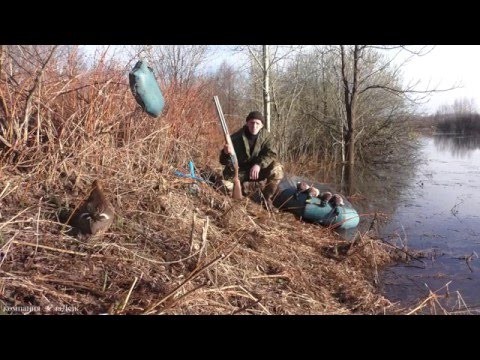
<point>256,156</point>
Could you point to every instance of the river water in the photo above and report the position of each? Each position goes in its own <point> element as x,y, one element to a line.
<point>438,212</point>
<point>431,206</point>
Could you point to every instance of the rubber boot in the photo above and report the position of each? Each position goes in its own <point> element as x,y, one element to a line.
<point>268,192</point>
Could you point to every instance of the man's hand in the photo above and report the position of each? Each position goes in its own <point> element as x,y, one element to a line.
<point>254,171</point>
<point>227,149</point>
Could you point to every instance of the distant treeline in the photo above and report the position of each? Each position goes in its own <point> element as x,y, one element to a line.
<point>452,123</point>
<point>460,124</point>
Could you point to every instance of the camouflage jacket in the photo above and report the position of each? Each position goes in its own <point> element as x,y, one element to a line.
<point>263,152</point>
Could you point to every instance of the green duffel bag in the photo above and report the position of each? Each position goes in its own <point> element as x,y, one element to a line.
<point>145,89</point>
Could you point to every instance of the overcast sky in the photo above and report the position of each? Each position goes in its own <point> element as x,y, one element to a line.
<point>444,67</point>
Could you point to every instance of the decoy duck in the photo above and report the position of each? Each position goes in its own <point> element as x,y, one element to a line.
<point>325,198</point>
<point>342,216</point>
<point>302,187</point>
<point>95,214</point>
<point>336,200</point>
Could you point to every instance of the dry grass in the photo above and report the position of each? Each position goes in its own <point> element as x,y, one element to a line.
<point>172,252</point>
<point>169,251</point>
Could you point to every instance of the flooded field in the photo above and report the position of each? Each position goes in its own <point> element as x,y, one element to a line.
<point>439,212</point>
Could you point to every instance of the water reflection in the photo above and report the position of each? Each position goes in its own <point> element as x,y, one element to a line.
<point>459,146</point>
<point>439,214</point>
<point>371,190</point>
<point>431,204</point>
<point>374,189</point>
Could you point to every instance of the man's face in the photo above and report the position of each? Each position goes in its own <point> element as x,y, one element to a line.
<point>254,126</point>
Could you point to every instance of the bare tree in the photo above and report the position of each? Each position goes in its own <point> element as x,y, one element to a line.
<point>266,85</point>
<point>176,65</point>
<point>362,70</point>
<point>265,59</point>
<point>23,68</point>
<point>464,106</point>
<point>227,80</point>
<point>350,91</point>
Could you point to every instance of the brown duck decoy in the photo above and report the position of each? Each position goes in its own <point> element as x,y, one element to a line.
<point>336,200</point>
<point>325,197</point>
<point>95,214</point>
<point>302,186</point>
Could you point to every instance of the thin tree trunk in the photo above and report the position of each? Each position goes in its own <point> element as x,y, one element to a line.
<point>28,104</point>
<point>324,88</point>
<point>342,144</point>
<point>350,95</point>
<point>266,86</point>
<point>349,183</point>
<point>38,118</point>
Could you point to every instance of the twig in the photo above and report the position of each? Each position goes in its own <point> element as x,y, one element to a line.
<point>192,233</point>
<point>71,283</point>
<point>468,259</point>
<point>243,308</point>
<point>103,256</point>
<point>375,263</point>
<point>254,298</point>
<point>105,281</point>
<point>7,248</point>
<point>406,252</point>
<point>2,194</point>
<point>9,221</point>
<point>251,220</point>
<point>53,249</point>
<point>192,276</point>
<point>432,295</point>
<point>181,297</point>
<point>204,239</point>
<point>374,222</point>
<point>129,293</point>
<point>269,276</point>
<point>460,299</point>
<point>422,304</point>
<point>37,233</point>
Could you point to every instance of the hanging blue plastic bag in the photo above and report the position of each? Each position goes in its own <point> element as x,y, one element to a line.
<point>145,89</point>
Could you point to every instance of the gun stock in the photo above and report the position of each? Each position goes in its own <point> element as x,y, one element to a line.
<point>237,187</point>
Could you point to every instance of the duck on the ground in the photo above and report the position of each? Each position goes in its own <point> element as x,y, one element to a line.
<point>95,214</point>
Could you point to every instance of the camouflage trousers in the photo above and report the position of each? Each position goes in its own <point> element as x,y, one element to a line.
<point>267,182</point>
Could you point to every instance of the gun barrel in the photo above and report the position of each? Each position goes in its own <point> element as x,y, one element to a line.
<point>222,117</point>
<point>237,191</point>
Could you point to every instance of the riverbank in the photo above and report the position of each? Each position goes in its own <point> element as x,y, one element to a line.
<point>171,251</point>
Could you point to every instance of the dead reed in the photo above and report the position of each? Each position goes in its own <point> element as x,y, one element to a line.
<point>170,250</point>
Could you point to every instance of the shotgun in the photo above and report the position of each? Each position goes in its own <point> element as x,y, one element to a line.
<point>237,187</point>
